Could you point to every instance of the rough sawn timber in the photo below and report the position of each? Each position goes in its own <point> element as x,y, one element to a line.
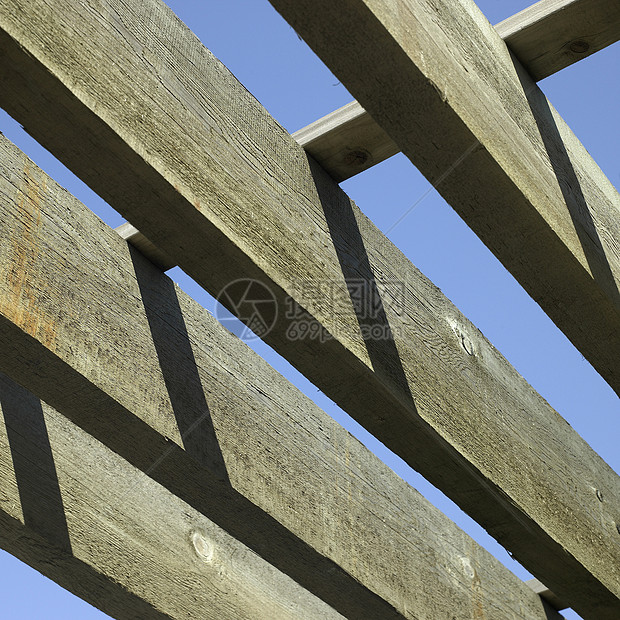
<point>346,142</point>
<point>442,84</point>
<point>546,37</point>
<point>161,130</point>
<point>83,516</point>
<point>89,324</point>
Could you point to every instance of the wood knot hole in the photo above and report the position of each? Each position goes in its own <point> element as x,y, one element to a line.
<point>579,46</point>
<point>468,569</point>
<point>203,547</point>
<point>356,158</point>
<point>468,345</point>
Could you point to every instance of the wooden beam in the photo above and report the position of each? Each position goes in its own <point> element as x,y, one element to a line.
<point>229,194</point>
<point>464,111</point>
<point>553,34</point>
<point>346,142</point>
<point>80,514</point>
<point>92,326</point>
<point>546,37</point>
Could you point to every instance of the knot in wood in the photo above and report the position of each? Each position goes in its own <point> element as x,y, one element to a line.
<point>579,46</point>
<point>358,157</point>
<point>203,547</point>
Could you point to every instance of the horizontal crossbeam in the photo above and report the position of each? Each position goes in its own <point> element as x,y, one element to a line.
<point>554,34</point>
<point>140,242</point>
<point>546,37</point>
<point>346,142</point>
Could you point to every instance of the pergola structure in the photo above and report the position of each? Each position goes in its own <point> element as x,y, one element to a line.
<point>153,464</point>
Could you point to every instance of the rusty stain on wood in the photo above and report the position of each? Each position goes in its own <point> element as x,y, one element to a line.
<point>20,303</point>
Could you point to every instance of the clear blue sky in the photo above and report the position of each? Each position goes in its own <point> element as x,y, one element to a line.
<point>269,59</point>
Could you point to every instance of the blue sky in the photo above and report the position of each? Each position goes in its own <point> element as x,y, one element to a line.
<point>284,75</point>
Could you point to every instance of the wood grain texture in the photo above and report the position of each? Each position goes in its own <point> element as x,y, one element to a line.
<point>441,82</point>
<point>198,166</point>
<point>553,34</point>
<point>546,37</point>
<point>84,517</point>
<point>103,335</point>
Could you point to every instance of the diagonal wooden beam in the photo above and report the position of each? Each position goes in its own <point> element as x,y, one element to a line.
<point>196,164</point>
<point>476,125</point>
<point>101,333</point>
<point>546,37</point>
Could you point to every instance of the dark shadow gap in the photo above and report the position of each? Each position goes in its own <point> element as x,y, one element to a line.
<point>178,367</point>
<point>364,292</point>
<point>33,463</point>
<point>570,186</point>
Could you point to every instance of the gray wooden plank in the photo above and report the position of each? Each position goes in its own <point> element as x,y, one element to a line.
<point>105,337</point>
<point>196,164</point>
<point>546,37</point>
<point>553,34</point>
<point>84,517</point>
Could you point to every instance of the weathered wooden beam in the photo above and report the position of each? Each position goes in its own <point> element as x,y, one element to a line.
<point>553,34</point>
<point>225,191</point>
<point>80,514</point>
<point>546,37</point>
<point>442,84</point>
<point>103,335</point>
